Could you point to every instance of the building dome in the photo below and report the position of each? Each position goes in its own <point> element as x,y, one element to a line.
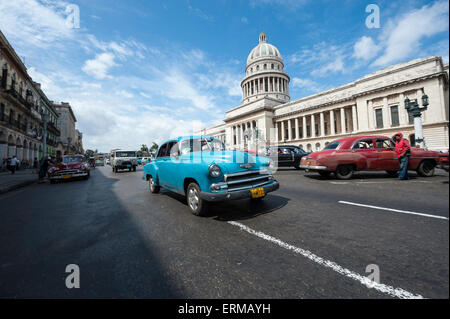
<point>264,74</point>
<point>263,50</point>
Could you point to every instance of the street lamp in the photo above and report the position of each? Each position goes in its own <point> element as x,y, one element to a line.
<point>45,120</point>
<point>415,110</point>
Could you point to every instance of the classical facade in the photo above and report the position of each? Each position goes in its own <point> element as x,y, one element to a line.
<point>21,124</point>
<point>373,104</point>
<point>66,124</point>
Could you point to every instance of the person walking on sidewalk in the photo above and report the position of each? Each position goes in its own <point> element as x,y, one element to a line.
<point>403,152</point>
<point>13,164</point>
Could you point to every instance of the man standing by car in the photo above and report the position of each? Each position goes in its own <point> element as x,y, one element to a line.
<point>403,151</point>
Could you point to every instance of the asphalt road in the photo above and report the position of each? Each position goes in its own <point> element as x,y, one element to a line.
<point>300,242</point>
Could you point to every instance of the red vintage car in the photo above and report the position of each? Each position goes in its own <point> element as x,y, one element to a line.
<point>71,166</point>
<point>366,153</point>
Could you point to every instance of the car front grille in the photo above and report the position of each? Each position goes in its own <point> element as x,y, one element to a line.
<point>246,180</point>
<point>66,172</point>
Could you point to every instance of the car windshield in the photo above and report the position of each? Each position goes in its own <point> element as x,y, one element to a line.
<point>125,154</point>
<point>72,159</point>
<point>201,145</point>
<point>332,146</point>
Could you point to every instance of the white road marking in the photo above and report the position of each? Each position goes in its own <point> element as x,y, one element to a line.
<point>384,182</point>
<point>393,210</point>
<point>394,292</point>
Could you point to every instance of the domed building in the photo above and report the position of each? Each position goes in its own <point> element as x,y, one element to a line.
<point>371,105</point>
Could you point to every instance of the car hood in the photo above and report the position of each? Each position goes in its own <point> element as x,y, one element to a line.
<point>64,166</point>
<point>229,161</point>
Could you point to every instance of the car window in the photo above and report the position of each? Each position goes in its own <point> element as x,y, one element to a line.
<point>125,154</point>
<point>201,145</point>
<point>173,149</point>
<point>384,143</point>
<point>162,151</point>
<point>364,144</point>
<point>332,146</point>
<point>286,150</point>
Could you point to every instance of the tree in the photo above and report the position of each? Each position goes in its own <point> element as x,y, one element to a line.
<point>143,151</point>
<point>89,153</point>
<point>154,148</point>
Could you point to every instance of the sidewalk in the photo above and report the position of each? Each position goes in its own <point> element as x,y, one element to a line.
<point>9,182</point>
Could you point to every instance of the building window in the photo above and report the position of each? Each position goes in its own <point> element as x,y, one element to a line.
<point>265,66</point>
<point>394,115</point>
<point>257,68</point>
<point>316,128</point>
<point>308,131</point>
<point>325,128</point>
<point>272,66</point>
<point>2,112</point>
<point>379,117</point>
<point>411,118</point>
<point>300,131</point>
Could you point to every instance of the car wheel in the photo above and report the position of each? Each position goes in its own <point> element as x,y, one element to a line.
<point>344,172</point>
<point>426,169</point>
<point>195,203</point>
<point>154,189</point>
<point>392,173</point>
<point>324,173</point>
<point>297,165</point>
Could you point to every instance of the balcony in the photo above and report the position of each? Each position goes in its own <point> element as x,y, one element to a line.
<point>13,96</point>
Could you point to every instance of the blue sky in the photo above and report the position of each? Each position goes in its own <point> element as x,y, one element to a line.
<point>143,71</point>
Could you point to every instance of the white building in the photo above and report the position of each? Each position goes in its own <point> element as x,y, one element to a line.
<point>373,104</point>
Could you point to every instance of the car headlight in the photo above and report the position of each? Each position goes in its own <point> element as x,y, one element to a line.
<point>214,171</point>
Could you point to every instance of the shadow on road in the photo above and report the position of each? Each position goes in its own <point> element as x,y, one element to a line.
<point>82,223</point>
<point>236,209</point>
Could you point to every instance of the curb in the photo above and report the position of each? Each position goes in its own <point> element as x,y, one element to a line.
<point>17,186</point>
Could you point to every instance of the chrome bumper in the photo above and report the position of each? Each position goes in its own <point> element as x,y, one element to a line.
<point>239,194</point>
<point>313,168</point>
<point>81,174</point>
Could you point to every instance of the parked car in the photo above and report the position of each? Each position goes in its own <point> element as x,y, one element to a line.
<point>123,160</point>
<point>286,155</point>
<point>71,166</point>
<point>367,153</point>
<point>443,161</point>
<point>107,161</point>
<point>201,169</point>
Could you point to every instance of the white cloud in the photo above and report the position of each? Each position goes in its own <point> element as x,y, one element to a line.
<point>335,66</point>
<point>37,24</point>
<point>306,84</point>
<point>244,20</point>
<point>402,37</point>
<point>99,66</point>
<point>365,48</point>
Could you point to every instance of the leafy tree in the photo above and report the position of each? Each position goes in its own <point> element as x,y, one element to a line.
<point>143,151</point>
<point>89,153</point>
<point>154,148</point>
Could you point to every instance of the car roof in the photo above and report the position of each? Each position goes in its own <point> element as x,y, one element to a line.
<point>350,140</point>
<point>180,138</point>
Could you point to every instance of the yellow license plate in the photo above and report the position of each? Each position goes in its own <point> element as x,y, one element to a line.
<point>66,176</point>
<point>257,192</point>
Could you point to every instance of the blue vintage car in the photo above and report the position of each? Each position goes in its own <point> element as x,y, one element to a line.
<point>200,168</point>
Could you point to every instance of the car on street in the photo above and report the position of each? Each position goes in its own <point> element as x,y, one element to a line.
<point>121,159</point>
<point>367,153</point>
<point>71,166</point>
<point>286,155</point>
<point>200,169</point>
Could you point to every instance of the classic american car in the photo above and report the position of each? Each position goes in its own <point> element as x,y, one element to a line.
<point>200,168</point>
<point>286,155</point>
<point>71,166</point>
<point>367,153</point>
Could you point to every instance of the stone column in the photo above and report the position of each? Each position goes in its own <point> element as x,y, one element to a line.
<point>289,130</point>
<point>3,150</point>
<point>304,127</point>
<point>313,126</point>
<point>332,126</point>
<point>343,131</point>
<point>297,131</point>
<point>322,125</point>
<point>387,122</point>
<point>276,132</point>
<point>354,119</point>
<point>282,131</point>
<point>402,112</point>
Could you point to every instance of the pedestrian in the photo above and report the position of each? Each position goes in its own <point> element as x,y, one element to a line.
<point>13,164</point>
<point>45,163</point>
<point>35,163</point>
<point>403,152</point>
<point>4,164</point>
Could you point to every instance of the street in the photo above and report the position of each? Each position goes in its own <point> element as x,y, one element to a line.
<point>310,239</point>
